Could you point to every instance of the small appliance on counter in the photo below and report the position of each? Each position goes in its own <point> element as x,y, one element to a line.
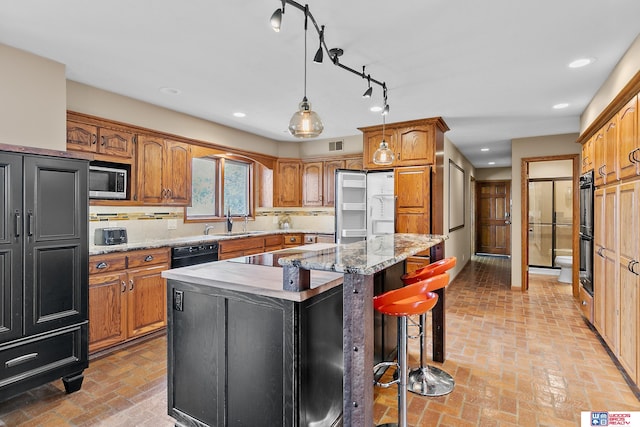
<point>110,236</point>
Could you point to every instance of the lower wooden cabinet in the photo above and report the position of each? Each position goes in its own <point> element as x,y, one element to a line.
<point>127,296</point>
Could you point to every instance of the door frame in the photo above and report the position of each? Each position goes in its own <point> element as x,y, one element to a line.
<point>524,230</point>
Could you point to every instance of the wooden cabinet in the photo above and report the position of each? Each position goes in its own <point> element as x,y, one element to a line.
<point>598,260</point>
<point>127,296</point>
<point>329,184</point>
<point>287,183</point>
<point>587,155</point>
<point>312,183</point>
<point>273,242</point>
<point>354,163</point>
<point>606,153</point>
<point>164,172</point>
<point>413,200</point>
<point>108,141</point>
<point>628,140</point>
<point>244,246</point>
<point>413,143</point>
<point>598,157</point>
<point>294,239</point>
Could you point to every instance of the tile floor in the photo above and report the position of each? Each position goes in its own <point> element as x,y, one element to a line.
<point>519,359</point>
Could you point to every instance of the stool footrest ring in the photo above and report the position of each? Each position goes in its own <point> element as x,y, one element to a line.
<point>386,365</point>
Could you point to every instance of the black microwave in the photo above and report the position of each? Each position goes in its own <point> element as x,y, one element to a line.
<point>107,182</point>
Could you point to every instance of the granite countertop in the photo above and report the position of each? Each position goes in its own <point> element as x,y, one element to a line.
<point>191,240</point>
<point>365,257</point>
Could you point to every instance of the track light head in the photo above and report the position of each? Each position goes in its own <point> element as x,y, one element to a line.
<point>319,55</point>
<point>367,93</point>
<point>385,110</point>
<point>276,20</point>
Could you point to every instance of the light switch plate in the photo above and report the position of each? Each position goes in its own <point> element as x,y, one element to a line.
<point>172,224</point>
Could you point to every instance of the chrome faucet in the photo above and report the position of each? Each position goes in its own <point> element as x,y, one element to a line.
<point>207,227</point>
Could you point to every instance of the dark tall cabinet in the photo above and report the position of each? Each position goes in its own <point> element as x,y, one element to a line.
<point>44,271</point>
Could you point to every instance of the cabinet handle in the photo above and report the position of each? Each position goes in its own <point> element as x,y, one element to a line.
<point>94,138</point>
<point>169,193</point>
<point>633,267</point>
<point>633,155</point>
<point>130,284</point>
<point>18,223</point>
<point>101,265</point>
<point>20,359</point>
<point>148,258</point>
<point>30,223</point>
<point>124,286</point>
<point>104,141</point>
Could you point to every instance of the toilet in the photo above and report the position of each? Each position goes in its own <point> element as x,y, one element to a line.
<point>565,263</point>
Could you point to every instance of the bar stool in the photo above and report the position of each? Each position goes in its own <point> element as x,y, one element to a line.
<point>427,380</point>
<point>409,300</point>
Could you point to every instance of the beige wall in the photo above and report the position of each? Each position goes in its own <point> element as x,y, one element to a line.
<point>32,104</point>
<point>626,68</point>
<point>551,145</point>
<point>459,242</point>
<point>493,174</point>
<point>320,147</point>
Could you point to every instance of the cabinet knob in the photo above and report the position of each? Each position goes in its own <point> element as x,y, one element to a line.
<point>148,258</point>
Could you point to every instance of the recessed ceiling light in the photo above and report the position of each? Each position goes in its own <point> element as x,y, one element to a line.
<point>484,149</point>
<point>560,106</point>
<point>492,163</point>
<point>582,62</point>
<point>239,114</point>
<point>170,90</point>
<point>376,108</point>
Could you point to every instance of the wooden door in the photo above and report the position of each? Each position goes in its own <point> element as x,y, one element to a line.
<point>107,310</point>
<point>81,137</point>
<point>147,300</point>
<point>330,168</point>
<point>611,288</point>
<point>598,260</point>
<point>115,142</point>
<point>415,145</point>
<point>413,200</point>
<point>151,164</point>
<point>312,184</point>
<point>287,183</point>
<point>629,246</point>
<point>493,234</point>
<point>628,139</point>
<point>177,173</point>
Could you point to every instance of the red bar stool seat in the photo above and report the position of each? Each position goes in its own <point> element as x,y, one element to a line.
<point>428,380</point>
<point>414,299</point>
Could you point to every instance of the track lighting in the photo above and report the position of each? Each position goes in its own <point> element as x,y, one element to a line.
<point>276,18</point>
<point>367,93</point>
<point>385,110</point>
<point>318,56</point>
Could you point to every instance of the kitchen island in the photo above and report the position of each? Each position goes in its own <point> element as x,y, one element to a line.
<point>291,313</point>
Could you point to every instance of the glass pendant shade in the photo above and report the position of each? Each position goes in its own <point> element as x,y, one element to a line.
<point>383,155</point>
<point>305,123</point>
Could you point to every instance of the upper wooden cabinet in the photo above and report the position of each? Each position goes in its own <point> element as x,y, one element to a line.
<point>628,140</point>
<point>413,199</point>
<point>329,186</point>
<point>318,179</point>
<point>587,155</point>
<point>164,172</point>
<point>105,141</point>
<point>287,183</point>
<point>605,149</point>
<point>312,183</point>
<point>413,143</point>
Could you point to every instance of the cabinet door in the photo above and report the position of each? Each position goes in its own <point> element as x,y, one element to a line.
<point>107,310</point>
<point>598,261</point>
<point>610,170</point>
<point>628,140</point>
<point>55,243</point>
<point>371,141</point>
<point>10,246</point>
<point>611,297</point>
<point>287,188</point>
<point>629,247</point>
<point>413,200</point>
<point>587,155</point>
<point>82,137</point>
<point>151,164</point>
<point>177,173</point>
<point>114,142</point>
<point>312,184</point>
<point>354,163</point>
<point>330,168</point>
<point>599,158</point>
<point>415,146</point>
<point>146,300</point>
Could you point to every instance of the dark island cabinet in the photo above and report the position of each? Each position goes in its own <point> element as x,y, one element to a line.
<point>44,270</point>
<point>238,359</point>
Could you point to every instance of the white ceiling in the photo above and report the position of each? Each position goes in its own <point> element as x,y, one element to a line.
<point>492,69</point>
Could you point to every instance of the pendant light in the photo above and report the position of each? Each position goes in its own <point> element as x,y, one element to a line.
<point>383,155</point>
<point>305,123</point>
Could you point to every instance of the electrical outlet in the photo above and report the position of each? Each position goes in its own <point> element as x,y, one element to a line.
<point>172,224</point>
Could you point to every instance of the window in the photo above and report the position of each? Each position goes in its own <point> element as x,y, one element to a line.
<point>219,186</point>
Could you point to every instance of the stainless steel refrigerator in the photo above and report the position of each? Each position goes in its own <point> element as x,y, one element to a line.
<point>364,204</point>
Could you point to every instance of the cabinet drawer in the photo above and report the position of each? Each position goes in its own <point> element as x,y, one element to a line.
<point>293,239</point>
<point>36,356</point>
<point>236,245</point>
<point>274,240</point>
<point>586,304</point>
<point>107,263</point>
<point>148,257</point>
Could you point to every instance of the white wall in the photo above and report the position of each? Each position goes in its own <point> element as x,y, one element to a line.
<point>626,68</point>
<point>551,145</point>
<point>459,242</point>
<point>32,104</point>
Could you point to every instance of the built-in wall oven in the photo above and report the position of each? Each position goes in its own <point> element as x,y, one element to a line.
<point>586,231</point>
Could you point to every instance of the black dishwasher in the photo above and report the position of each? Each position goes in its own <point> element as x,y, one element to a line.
<point>183,256</point>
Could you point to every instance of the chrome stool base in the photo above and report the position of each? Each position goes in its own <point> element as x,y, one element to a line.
<point>430,381</point>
